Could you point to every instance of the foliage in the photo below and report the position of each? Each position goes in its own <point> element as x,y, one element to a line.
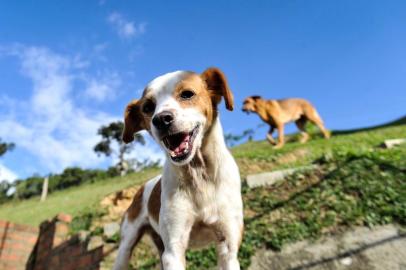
<point>4,185</point>
<point>111,134</point>
<point>4,147</point>
<point>70,201</point>
<point>357,184</point>
<point>74,176</point>
<point>367,188</point>
<point>232,139</point>
<point>70,177</point>
<point>83,221</point>
<point>4,188</point>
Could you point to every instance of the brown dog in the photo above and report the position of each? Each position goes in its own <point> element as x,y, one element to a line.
<point>277,113</point>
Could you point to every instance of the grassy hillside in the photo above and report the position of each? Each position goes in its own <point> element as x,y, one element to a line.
<point>258,155</point>
<point>73,201</point>
<point>357,183</point>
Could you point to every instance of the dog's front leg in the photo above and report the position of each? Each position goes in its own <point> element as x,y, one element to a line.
<point>175,229</point>
<point>269,135</point>
<point>281,137</point>
<point>227,247</point>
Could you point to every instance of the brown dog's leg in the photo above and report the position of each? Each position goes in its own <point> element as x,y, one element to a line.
<point>281,138</point>
<point>269,135</point>
<point>320,125</point>
<point>301,123</point>
<point>314,117</point>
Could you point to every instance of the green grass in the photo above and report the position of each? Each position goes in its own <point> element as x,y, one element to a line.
<point>73,201</point>
<point>357,183</point>
<point>354,186</point>
<point>317,147</point>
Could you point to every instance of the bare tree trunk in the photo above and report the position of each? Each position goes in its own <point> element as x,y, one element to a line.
<point>44,189</point>
<point>122,164</point>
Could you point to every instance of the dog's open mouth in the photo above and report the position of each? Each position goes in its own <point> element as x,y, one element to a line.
<point>180,145</point>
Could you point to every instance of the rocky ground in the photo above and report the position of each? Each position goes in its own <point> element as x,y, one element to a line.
<point>382,248</point>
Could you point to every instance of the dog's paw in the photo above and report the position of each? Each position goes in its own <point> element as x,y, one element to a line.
<point>278,146</point>
<point>271,140</point>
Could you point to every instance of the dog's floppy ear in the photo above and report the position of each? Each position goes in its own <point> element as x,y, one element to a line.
<point>133,121</point>
<point>255,97</point>
<point>217,85</point>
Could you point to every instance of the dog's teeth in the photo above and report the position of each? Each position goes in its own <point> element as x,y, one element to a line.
<point>187,145</point>
<point>173,154</point>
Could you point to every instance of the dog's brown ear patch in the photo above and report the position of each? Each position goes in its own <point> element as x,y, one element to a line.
<point>218,87</point>
<point>255,97</point>
<point>133,121</point>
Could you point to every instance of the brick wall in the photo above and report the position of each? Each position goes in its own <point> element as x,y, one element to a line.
<point>16,245</point>
<point>47,248</point>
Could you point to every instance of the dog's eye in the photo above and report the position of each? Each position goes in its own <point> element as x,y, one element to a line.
<point>149,107</point>
<point>187,94</point>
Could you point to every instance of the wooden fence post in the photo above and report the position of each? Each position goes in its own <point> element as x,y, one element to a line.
<point>44,189</point>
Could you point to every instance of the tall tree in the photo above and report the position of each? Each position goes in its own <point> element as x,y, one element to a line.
<point>232,139</point>
<point>111,134</point>
<point>4,147</point>
<point>4,185</point>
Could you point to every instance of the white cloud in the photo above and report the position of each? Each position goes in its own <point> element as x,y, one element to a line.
<point>50,124</point>
<point>104,87</point>
<point>52,127</point>
<point>150,150</point>
<point>125,28</point>
<point>7,174</point>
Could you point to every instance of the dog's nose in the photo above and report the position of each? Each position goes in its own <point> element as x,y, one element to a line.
<point>163,120</point>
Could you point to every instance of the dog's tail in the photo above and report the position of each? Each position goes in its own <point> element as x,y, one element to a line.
<point>311,113</point>
<point>317,115</point>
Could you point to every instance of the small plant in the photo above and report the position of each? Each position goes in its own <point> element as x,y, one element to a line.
<point>84,221</point>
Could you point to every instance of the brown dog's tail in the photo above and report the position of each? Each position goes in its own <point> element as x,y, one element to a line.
<point>317,115</point>
<point>311,113</point>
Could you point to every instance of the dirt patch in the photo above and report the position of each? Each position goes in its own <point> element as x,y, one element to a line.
<point>292,156</point>
<point>249,166</point>
<point>253,166</point>
<point>117,203</point>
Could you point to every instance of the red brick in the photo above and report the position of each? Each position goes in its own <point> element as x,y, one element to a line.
<point>15,245</point>
<point>11,266</point>
<point>54,263</point>
<point>22,227</point>
<point>85,260</point>
<point>74,251</point>
<point>3,223</point>
<point>11,257</point>
<point>42,254</point>
<point>26,238</point>
<point>70,265</point>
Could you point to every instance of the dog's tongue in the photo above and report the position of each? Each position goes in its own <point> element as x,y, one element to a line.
<point>182,146</point>
<point>178,144</point>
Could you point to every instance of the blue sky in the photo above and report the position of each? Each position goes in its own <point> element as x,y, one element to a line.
<point>68,67</point>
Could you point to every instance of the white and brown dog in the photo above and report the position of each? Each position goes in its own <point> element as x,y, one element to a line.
<point>197,200</point>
